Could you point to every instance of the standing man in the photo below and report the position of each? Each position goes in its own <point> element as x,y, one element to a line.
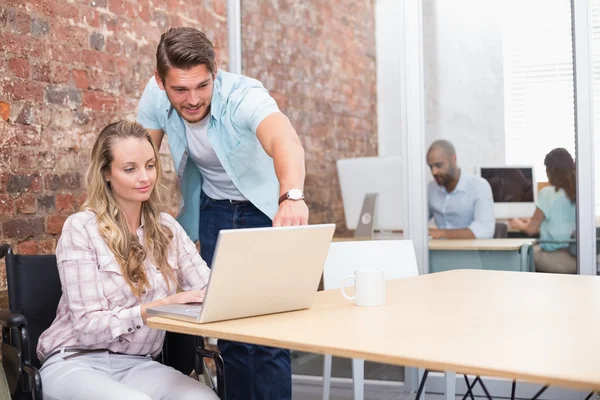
<point>460,203</point>
<point>240,164</point>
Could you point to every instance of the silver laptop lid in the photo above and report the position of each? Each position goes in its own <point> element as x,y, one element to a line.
<point>266,270</point>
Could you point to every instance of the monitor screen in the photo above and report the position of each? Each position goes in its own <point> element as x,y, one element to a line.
<point>381,175</point>
<point>510,185</point>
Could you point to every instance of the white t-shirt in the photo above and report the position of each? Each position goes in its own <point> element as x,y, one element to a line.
<point>217,184</point>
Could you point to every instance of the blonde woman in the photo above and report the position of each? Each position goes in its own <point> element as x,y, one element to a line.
<point>116,258</point>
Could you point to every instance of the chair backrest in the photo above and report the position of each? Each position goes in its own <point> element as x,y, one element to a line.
<point>572,249</point>
<point>34,290</point>
<point>395,257</point>
<point>501,230</point>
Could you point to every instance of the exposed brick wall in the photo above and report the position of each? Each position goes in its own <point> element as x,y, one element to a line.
<point>67,69</point>
<point>318,60</point>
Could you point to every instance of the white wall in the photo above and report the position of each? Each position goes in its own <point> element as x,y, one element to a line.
<point>388,28</point>
<point>464,88</point>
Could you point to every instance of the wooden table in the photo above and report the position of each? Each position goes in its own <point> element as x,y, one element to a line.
<point>493,254</point>
<point>540,328</point>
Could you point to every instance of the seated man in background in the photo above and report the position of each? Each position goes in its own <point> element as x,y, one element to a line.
<point>460,203</point>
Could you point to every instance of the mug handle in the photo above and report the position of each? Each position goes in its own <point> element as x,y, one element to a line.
<point>343,286</point>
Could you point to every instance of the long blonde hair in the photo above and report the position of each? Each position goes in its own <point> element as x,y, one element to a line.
<point>112,222</point>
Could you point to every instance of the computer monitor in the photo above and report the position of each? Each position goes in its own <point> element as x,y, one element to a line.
<point>513,188</point>
<point>372,175</point>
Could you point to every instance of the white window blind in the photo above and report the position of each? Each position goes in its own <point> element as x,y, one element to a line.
<point>538,81</point>
<point>596,92</point>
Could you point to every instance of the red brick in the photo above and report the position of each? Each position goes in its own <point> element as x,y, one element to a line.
<point>109,23</point>
<point>27,247</point>
<point>114,45</point>
<point>220,7</point>
<point>28,159</point>
<point>58,133</point>
<point>60,73</point>
<point>20,45</point>
<point>5,158</point>
<point>4,110</point>
<point>46,246</point>
<point>145,12</point>
<point>89,16</point>
<point>18,89</point>
<point>131,10</point>
<point>80,78</point>
<point>19,67</point>
<point>74,36</point>
<point>54,224</point>
<point>116,7</point>
<point>18,134</point>
<point>25,135</point>
<point>41,71</point>
<point>79,200</point>
<point>67,160</point>
<point>25,204</point>
<point>19,22</point>
<point>7,206</point>
<point>4,180</point>
<point>58,8</point>
<point>22,227</point>
<point>63,53</point>
<point>98,101</point>
<point>67,181</point>
<point>97,59</point>
<point>17,183</point>
<point>65,203</point>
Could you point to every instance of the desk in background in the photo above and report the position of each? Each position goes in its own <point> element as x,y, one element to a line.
<point>491,254</point>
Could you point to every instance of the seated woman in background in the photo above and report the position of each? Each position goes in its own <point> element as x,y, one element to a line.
<point>554,217</point>
<point>116,258</point>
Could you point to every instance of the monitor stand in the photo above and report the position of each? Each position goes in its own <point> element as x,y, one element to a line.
<point>366,220</point>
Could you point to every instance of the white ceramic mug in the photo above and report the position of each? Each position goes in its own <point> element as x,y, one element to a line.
<point>369,287</point>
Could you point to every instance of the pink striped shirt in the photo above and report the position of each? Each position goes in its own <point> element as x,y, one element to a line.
<point>97,309</point>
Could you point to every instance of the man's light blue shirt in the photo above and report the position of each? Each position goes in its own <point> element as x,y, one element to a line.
<point>239,104</point>
<point>469,205</point>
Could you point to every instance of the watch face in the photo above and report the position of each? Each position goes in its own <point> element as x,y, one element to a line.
<point>295,194</point>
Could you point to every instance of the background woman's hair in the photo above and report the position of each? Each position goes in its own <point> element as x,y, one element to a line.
<point>560,168</point>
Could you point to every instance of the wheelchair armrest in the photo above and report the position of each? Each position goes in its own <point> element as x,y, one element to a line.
<point>4,249</point>
<point>36,381</point>
<point>9,319</point>
<point>201,353</point>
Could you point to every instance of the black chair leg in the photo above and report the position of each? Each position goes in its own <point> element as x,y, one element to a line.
<point>422,384</point>
<point>514,390</point>
<point>470,386</point>
<point>589,396</point>
<point>484,389</point>
<point>538,394</point>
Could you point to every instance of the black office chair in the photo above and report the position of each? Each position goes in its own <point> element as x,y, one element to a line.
<point>500,230</point>
<point>34,291</point>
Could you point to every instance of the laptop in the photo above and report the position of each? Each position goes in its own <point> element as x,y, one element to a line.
<point>259,271</point>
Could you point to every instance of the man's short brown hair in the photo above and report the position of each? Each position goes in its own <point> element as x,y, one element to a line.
<point>184,48</point>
